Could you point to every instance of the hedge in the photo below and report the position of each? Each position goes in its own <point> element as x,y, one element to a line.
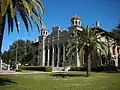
<point>74,68</point>
<point>37,68</point>
<point>18,70</point>
<point>107,68</point>
<point>97,69</point>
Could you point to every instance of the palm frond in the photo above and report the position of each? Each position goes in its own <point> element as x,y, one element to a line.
<point>9,22</point>
<point>81,49</point>
<point>35,22</point>
<point>27,6</point>
<point>24,20</point>
<point>26,9</point>
<point>40,5</point>
<point>12,10</point>
<point>16,22</point>
<point>4,6</point>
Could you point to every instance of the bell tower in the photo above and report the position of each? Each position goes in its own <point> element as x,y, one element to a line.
<point>75,24</point>
<point>44,34</point>
<point>44,31</point>
<point>75,21</point>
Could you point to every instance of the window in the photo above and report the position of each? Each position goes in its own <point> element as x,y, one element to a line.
<point>46,33</point>
<point>72,34</point>
<point>79,23</point>
<point>103,59</point>
<point>36,52</point>
<point>117,50</point>
<point>113,50</point>
<point>43,32</point>
<point>40,50</point>
<point>76,22</point>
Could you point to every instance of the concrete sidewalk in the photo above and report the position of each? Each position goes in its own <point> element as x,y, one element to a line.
<point>15,73</point>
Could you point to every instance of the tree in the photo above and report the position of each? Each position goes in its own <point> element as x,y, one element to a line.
<point>27,9</point>
<point>115,34</point>
<point>24,54</point>
<point>6,57</point>
<point>86,41</point>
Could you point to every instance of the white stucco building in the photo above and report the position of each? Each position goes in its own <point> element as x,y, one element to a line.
<point>50,49</point>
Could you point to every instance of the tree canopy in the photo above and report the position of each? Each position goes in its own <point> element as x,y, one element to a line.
<point>24,52</point>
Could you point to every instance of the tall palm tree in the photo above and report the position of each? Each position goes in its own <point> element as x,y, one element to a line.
<point>86,41</point>
<point>27,9</point>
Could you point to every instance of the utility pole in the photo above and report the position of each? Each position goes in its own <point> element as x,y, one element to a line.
<point>16,54</point>
<point>25,51</point>
<point>18,27</point>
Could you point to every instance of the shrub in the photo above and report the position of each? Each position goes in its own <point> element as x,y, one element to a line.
<point>18,70</point>
<point>37,68</point>
<point>107,68</point>
<point>74,68</point>
<point>97,69</point>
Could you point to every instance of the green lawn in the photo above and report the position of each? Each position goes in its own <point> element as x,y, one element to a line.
<point>98,81</point>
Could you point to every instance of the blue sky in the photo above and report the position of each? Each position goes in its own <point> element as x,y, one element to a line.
<point>59,12</point>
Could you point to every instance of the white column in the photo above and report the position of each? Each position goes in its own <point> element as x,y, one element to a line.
<point>58,53</point>
<point>48,56</point>
<point>8,67</point>
<point>78,61</point>
<point>43,57</point>
<point>77,56</point>
<point>48,53</point>
<point>63,56</point>
<point>0,64</point>
<point>38,55</point>
<point>116,55</point>
<point>58,56</point>
<point>53,50</point>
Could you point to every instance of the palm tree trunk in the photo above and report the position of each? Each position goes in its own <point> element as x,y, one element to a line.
<point>109,53</point>
<point>88,63</point>
<point>2,23</point>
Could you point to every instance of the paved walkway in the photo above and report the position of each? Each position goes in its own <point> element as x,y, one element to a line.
<point>14,73</point>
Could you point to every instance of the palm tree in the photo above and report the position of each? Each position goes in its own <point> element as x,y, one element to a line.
<point>86,41</point>
<point>27,9</point>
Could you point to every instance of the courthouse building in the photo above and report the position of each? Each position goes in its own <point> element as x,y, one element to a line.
<point>50,48</point>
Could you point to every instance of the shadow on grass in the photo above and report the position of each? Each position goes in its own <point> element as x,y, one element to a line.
<point>63,75</point>
<point>112,72</point>
<point>6,81</point>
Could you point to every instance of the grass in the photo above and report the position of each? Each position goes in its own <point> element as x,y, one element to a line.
<point>98,81</point>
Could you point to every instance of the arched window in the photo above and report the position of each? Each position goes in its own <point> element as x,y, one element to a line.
<point>36,52</point>
<point>103,59</point>
<point>76,22</point>
<point>118,50</point>
<point>119,60</point>
<point>72,34</point>
<point>79,23</point>
<point>113,50</point>
<point>43,32</point>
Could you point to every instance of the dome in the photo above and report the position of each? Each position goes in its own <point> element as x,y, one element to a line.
<point>75,18</point>
<point>75,21</point>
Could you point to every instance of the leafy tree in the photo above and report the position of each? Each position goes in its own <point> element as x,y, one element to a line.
<point>86,41</point>
<point>115,34</point>
<point>24,52</point>
<point>6,57</point>
<point>27,9</point>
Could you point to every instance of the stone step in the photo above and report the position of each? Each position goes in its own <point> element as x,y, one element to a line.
<point>60,69</point>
